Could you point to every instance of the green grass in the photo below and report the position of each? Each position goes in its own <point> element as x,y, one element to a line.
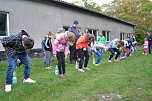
<point>131,78</point>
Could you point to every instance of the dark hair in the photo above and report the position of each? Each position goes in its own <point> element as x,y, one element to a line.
<point>28,42</point>
<point>121,43</point>
<point>24,32</point>
<point>89,38</point>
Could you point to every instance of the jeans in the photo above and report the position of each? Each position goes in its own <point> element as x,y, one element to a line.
<point>25,59</point>
<point>99,53</point>
<point>83,54</point>
<point>133,50</point>
<point>61,62</point>
<point>113,50</point>
<point>48,56</point>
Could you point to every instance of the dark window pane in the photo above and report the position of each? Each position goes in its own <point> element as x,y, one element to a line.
<point>108,35</point>
<point>3,24</point>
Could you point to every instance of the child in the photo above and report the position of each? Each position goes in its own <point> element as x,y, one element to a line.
<point>113,47</point>
<point>43,46</point>
<point>16,48</point>
<point>128,48</point>
<point>82,46</point>
<point>101,43</point>
<point>98,49</point>
<point>145,46</point>
<point>48,50</point>
<point>60,50</point>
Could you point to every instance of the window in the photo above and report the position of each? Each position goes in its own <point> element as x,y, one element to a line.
<point>4,24</point>
<point>107,35</point>
<point>94,32</point>
<point>122,36</point>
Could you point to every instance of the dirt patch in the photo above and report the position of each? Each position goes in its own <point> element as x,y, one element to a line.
<point>110,97</point>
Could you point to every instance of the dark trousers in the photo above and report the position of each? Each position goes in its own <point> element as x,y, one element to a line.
<point>113,50</point>
<point>149,46</point>
<point>73,52</point>
<point>83,57</point>
<point>61,62</point>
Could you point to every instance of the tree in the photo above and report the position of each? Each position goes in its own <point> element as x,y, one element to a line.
<point>136,11</point>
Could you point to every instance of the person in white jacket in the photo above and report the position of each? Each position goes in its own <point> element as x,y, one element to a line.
<point>113,47</point>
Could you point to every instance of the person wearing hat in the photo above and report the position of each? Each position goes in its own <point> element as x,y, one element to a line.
<point>60,30</point>
<point>75,30</point>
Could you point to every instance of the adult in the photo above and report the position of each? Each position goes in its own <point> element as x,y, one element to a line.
<point>72,48</point>
<point>16,48</point>
<point>149,37</point>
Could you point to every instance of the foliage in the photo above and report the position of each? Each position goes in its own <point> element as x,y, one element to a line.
<point>138,12</point>
<point>135,11</point>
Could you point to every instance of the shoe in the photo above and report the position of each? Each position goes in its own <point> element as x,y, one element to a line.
<point>123,57</point>
<point>61,75</point>
<point>28,81</point>
<point>86,68</point>
<point>8,88</point>
<point>110,61</point>
<point>65,75</point>
<point>117,60</point>
<point>81,70</point>
<point>97,64</point>
<point>48,67</point>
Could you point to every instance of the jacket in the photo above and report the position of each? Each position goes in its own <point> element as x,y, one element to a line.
<point>81,43</point>
<point>60,44</point>
<point>113,43</point>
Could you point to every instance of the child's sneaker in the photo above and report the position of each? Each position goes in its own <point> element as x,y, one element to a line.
<point>28,81</point>
<point>86,68</point>
<point>8,88</point>
<point>117,60</point>
<point>48,67</point>
<point>61,75</point>
<point>65,75</point>
<point>97,64</point>
<point>110,61</point>
<point>81,70</point>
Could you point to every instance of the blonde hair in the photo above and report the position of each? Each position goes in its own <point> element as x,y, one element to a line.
<point>145,39</point>
<point>71,37</point>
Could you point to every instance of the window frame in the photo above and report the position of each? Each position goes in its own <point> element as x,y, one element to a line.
<point>7,22</point>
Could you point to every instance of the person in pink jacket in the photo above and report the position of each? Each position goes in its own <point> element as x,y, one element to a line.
<point>60,49</point>
<point>145,46</point>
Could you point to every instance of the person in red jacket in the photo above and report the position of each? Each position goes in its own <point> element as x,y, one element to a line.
<point>82,46</point>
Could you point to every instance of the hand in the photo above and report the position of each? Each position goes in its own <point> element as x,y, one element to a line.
<point>84,49</point>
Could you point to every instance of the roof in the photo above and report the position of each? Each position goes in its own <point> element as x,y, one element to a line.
<point>63,3</point>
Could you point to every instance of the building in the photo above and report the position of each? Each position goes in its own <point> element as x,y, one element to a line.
<point>38,17</point>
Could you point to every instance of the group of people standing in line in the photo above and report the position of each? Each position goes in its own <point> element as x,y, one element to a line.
<point>72,42</point>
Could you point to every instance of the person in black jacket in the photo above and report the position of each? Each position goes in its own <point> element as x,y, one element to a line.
<point>48,51</point>
<point>149,37</point>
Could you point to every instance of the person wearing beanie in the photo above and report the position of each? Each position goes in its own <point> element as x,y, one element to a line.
<point>73,53</point>
<point>16,47</point>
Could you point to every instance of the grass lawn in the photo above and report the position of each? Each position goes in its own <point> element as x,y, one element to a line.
<point>129,80</point>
